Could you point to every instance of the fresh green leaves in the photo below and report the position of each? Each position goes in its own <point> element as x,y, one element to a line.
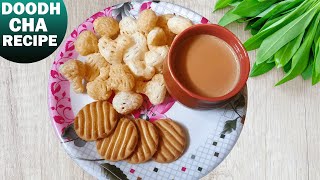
<point>287,33</point>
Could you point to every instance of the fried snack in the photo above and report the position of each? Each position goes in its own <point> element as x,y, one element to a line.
<point>136,51</point>
<point>156,56</point>
<point>86,43</point>
<point>172,141</point>
<point>177,24</point>
<point>157,37</point>
<point>121,79</point>
<point>163,23</point>
<point>147,20</point>
<point>140,70</point>
<point>155,89</point>
<point>93,65</point>
<point>106,26</point>
<point>147,143</point>
<point>95,121</point>
<point>74,71</point>
<point>126,102</point>
<point>98,89</point>
<point>120,144</point>
<point>113,50</point>
<point>128,26</point>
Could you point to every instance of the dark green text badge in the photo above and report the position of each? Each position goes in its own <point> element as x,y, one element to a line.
<point>31,30</point>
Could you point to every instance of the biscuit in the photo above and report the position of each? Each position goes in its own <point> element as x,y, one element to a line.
<point>74,71</point>
<point>147,20</point>
<point>155,89</point>
<point>113,50</point>
<point>121,143</point>
<point>157,37</point>
<point>121,78</point>
<point>86,43</point>
<point>93,64</point>
<point>106,26</point>
<point>126,102</point>
<point>128,26</point>
<point>163,23</point>
<point>95,121</point>
<point>172,141</point>
<point>177,24</point>
<point>147,143</point>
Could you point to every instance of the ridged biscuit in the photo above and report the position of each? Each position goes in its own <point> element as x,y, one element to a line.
<point>147,144</point>
<point>120,144</point>
<point>172,141</point>
<point>95,121</point>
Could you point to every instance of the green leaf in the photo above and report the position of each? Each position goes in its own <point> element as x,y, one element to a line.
<point>276,10</point>
<point>301,58</point>
<point>286,34</point>
<point>262,68</point>
<point>113,172</point>
<point>222,4</point>
<point>287,67</point>
<point>285,54</point>
<point>251,8</point>
<point>307,73</point>
<point>228,18</point>
<point>255,41</point>
<point>316,66</point>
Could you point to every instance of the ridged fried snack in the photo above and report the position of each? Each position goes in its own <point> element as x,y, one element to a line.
<point>121,78</point>
<point>155,89</point>
<point>106,26</point>
<point>128,26</point>
<point>156,56</point>
<point>147,20</point>
<point>177,24</point>
<point>126,102</point>
<point>121,143</point>
<point>147,144</point>
<point>86,43</point>
<point>163,23</point>
<point>93,64</point>
<point>98,89</point>
<point>95,121</point>
<point>74,71</point>
<point>172,141</point>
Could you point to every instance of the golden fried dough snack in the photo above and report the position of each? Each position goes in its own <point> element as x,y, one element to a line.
<point>86,43</point>
<point>147,20</point>
<point>74,71</point>
<point>147,144</point>
<point>128,26</point>
<point>141,70</point>
<point>106,26</point>
<point>121,143</point>
<point>172,141</point>
<point>93,64</point>
<point>113,50</point>
<point>163,23</point>
<point>126,102</point>
<point>121,79</point>
<point>95,121</point>
<point>177,24</point>
<point>155,89</point>
<point>157,37</point>
<point>156,56</point>
<point>136,51</point>
<point>98,89</point>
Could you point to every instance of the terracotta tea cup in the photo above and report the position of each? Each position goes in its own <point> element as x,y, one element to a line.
<point>190,99</point>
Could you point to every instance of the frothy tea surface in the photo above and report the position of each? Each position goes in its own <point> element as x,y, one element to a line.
<point>207,65</point>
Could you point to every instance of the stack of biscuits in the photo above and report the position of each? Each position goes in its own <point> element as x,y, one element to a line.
<point>133,140</point>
